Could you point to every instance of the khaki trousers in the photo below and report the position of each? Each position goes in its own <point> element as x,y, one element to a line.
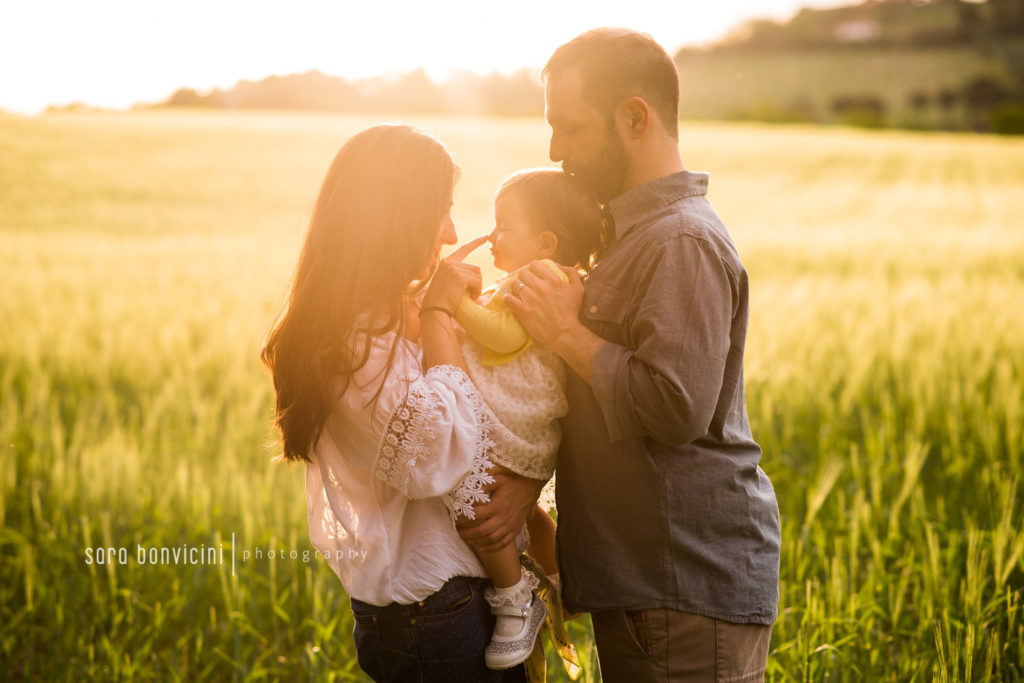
<point>667,645</point>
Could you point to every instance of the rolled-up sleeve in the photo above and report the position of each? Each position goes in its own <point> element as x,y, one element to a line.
<point>667,387</point>
<point>436,441</point>
<point>426,434</point>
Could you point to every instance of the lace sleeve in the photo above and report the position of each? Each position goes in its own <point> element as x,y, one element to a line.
<point>437,442</point>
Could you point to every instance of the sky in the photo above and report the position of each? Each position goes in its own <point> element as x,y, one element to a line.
<point>115,53</point>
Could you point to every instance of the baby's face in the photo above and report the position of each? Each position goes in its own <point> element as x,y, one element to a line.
<point>515,242</point>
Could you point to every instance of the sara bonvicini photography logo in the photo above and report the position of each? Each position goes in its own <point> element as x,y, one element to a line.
<point>203,554</point>
<point>184,554</point>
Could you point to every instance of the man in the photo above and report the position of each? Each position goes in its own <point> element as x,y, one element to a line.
<point>668,531</point>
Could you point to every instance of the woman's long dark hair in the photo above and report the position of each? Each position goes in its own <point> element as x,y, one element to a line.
<point>372,234</point>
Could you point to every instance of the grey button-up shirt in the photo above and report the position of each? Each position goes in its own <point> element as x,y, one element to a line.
<point>661,503</point>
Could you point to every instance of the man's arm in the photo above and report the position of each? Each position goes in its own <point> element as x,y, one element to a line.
<point>668,387</point>
<point>578,348</point>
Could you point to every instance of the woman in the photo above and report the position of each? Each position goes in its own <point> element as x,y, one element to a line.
<point>372,393</point>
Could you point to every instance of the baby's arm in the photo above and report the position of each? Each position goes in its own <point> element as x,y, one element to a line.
<point>494,325</point>
<point>498,330</point>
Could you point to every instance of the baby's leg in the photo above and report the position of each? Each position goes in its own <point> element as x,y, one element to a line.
<point>514,605</point>
<point>502,565</point>
<point>511,587</point>
<point>542,539</point>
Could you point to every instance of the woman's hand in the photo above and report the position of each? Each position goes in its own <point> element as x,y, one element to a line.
<point>454,278</point>
<point>498,522</point>
<point>438,338</point>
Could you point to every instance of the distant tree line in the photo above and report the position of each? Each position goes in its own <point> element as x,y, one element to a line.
<point>983,102</point>
<point>496,94</point>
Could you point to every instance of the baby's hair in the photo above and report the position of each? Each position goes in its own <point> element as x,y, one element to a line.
<point>557,202</point>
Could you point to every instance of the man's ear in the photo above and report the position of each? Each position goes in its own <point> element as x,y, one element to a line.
<point>637,115</point>
<point>547,244</point>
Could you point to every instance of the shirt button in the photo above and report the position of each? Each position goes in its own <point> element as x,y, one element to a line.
<point>412,621</point>
<point>420,603</point>
<point>593,309</point>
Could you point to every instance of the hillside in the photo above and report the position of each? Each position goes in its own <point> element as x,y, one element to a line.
<point>805,84</point>
<point>941,64</point>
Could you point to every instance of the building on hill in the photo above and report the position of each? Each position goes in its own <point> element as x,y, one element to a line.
<point>857,30</point>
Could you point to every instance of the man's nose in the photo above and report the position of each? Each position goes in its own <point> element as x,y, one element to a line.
<point>493,237</point>
<point>555,151</point>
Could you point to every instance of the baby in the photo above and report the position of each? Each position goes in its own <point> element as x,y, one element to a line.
<point>547,215</point>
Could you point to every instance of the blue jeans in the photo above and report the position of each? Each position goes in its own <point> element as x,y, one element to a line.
<point>439,639</point>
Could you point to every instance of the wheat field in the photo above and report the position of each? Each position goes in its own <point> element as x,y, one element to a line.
<point>144,255</point>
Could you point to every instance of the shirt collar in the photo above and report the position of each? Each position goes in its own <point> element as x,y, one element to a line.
<point>635,204</point>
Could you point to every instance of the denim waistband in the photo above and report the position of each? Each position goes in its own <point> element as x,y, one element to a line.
<point>451,586</point>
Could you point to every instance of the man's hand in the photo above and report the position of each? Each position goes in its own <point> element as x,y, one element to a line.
<point>549,309</point>
<point>498,522</point>
<point>546,307</point>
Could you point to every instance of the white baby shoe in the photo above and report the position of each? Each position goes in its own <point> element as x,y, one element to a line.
<point>518,603</point>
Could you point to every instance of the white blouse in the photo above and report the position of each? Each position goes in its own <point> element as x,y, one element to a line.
<point>385,481</point>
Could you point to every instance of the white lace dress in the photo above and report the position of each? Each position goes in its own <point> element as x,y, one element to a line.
<point>527,395</point>
<point>385,480</point>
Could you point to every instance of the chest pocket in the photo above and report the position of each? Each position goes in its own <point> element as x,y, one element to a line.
<point>604,311</point>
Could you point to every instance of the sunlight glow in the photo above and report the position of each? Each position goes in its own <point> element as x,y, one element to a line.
<point>114,53</point>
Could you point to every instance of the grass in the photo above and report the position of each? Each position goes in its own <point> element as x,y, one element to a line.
<point>145,255</point>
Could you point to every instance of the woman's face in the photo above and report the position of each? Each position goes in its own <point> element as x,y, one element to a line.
<point>515,241</point>
<point>445,235</point>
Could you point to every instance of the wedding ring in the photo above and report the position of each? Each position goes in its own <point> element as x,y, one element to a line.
<point>519,288</point>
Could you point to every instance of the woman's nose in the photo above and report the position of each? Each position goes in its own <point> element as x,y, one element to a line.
<point>493,237</point>
<point>448,235</point>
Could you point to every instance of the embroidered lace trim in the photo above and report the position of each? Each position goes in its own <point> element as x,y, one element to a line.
<point>517,595</point>
<point>408,432</point>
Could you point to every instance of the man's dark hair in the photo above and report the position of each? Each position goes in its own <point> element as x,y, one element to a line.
<point>618,63</point>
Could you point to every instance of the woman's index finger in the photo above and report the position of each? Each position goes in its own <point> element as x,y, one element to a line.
<point>465,250</point>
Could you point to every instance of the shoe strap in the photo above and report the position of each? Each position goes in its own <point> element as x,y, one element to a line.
<point>512,610</point>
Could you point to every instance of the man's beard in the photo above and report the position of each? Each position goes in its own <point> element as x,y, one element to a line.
<point>605,177</point>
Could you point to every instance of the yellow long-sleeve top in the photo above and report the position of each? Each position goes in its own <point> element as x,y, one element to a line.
<point>493,325</point>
